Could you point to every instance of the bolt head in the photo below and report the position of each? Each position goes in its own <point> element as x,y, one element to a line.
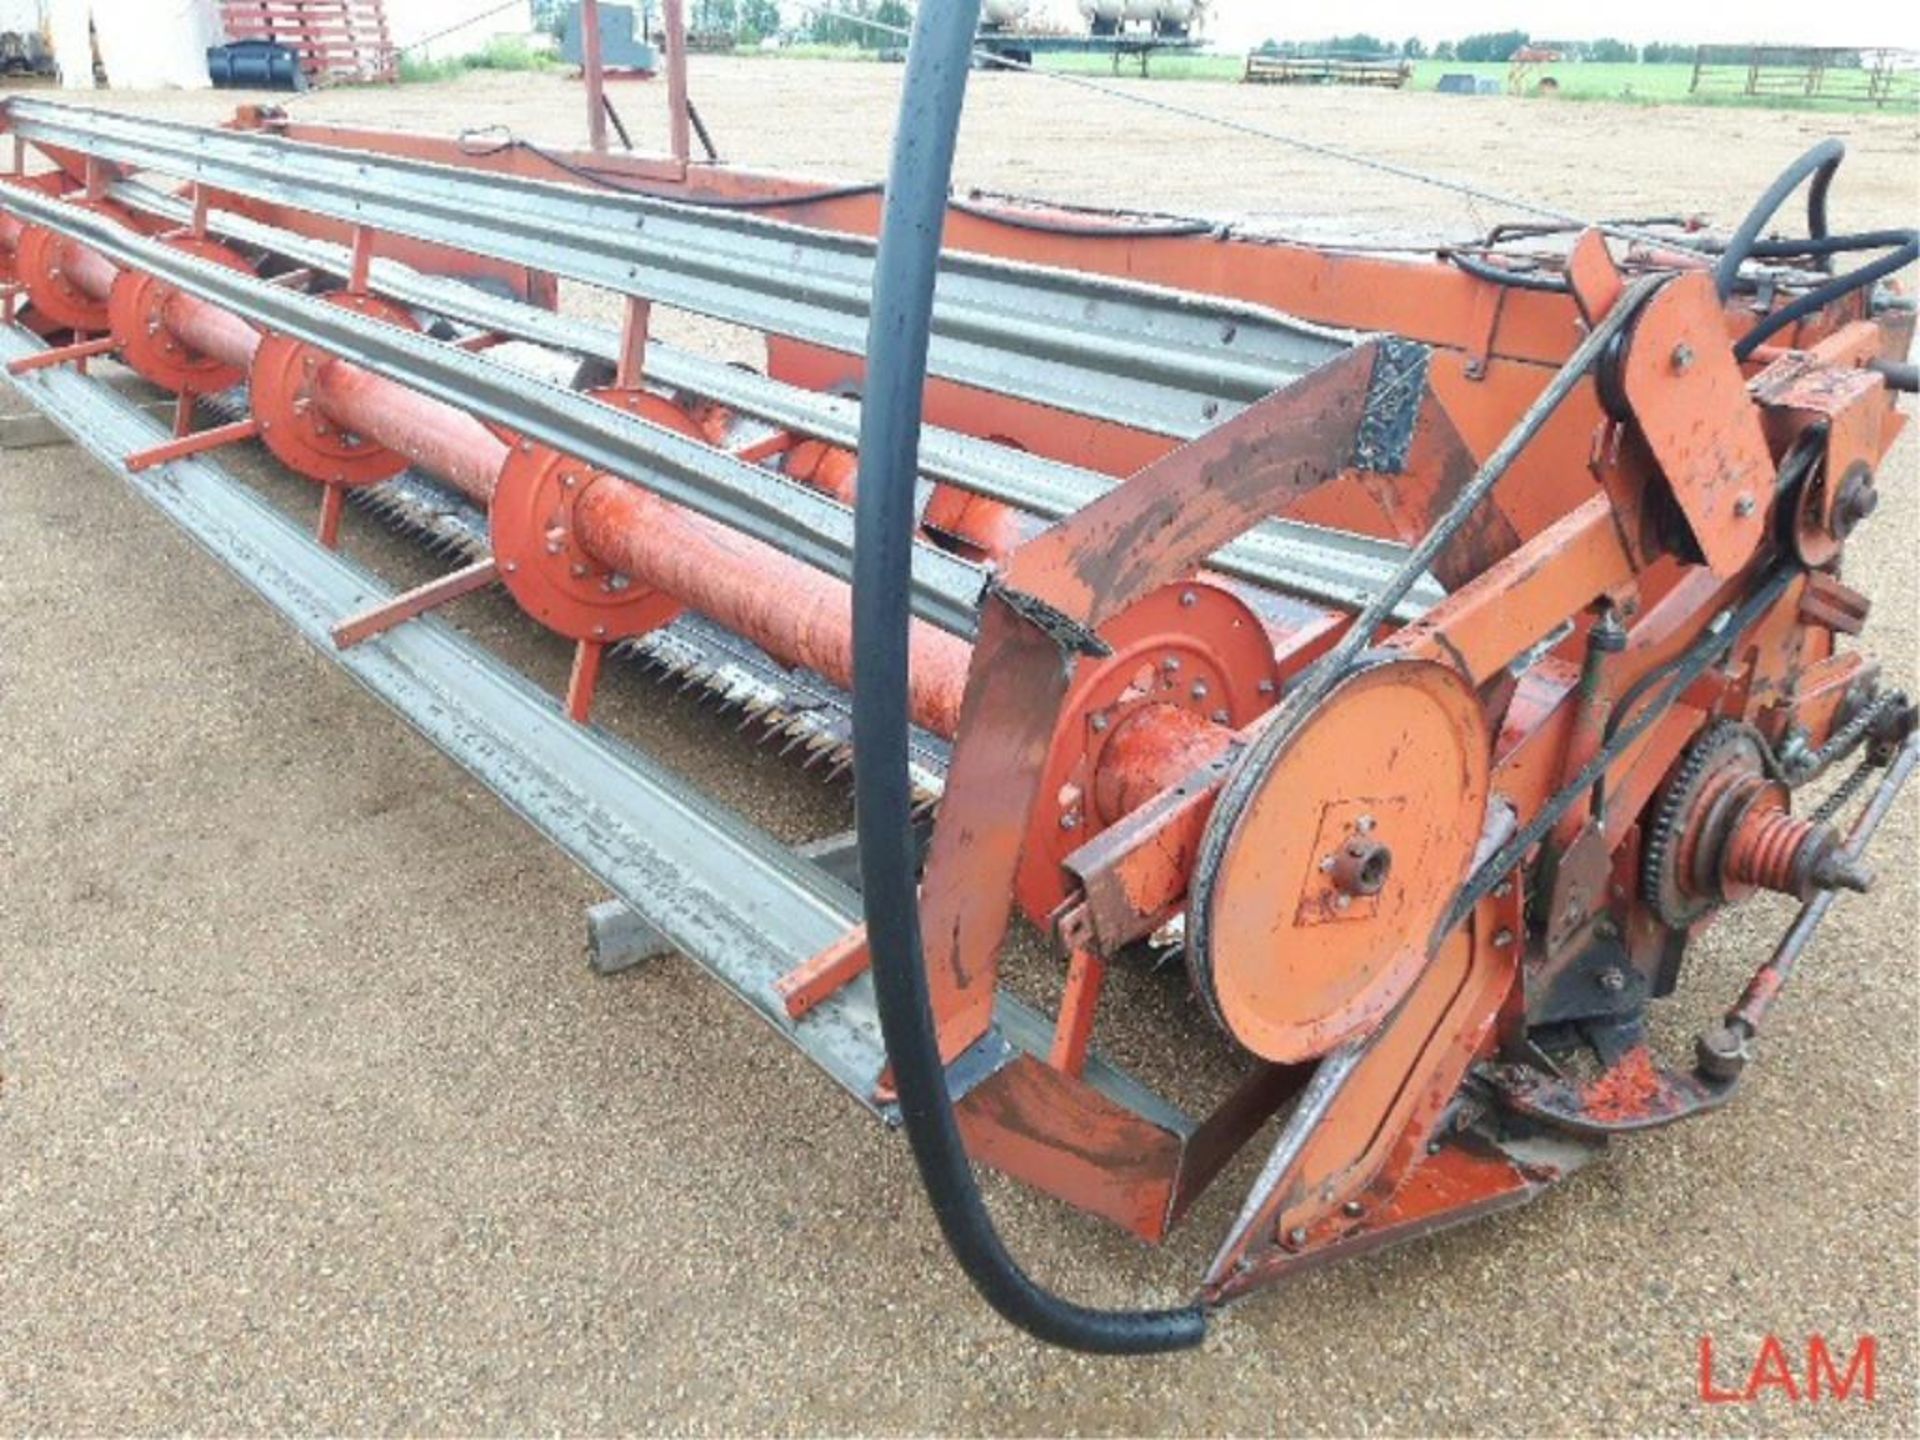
<point>1099,720</point>
<point>1297,1237</point>
<point>1612,979</point>
<point>1743,506</point>
<point>1682,357</point>
<point>1187,599</point>
<point>1502,938</point>
<point>1353,1209</point>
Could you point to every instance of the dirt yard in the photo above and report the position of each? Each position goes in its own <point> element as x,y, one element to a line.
<point>312,1118</point>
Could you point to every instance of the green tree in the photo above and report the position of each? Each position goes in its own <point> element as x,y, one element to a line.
<point>1492,45</point>
<point>894,13</point>
<point>1413,48</point>
<point>759,19</point>
<point>1445,51</point>
<point>1612,52</point>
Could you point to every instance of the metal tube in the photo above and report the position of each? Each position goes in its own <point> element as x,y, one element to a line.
<point>1151,750</point>
<point>448,444</point>
<point>791,610</point>
<point>593,70</point>
<point>208,330</point>
<point>88,269</point>
<point>675,14</point>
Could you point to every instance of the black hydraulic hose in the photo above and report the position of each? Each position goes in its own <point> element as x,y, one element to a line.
<point>1820,163</point>
<point>1549,281</point>
<point>916,204</point>
<point>1789,248</point>
<point>1822,296</point>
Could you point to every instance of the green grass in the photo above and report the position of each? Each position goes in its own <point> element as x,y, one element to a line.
<point>505,53</point>
<point>1628,83</point>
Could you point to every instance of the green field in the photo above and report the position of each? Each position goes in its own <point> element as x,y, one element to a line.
<point>1630,83</point>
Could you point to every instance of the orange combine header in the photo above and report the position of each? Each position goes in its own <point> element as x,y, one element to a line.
<point>1423,648</point>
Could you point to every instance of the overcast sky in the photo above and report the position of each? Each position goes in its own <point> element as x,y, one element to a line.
<point>1238,23</point>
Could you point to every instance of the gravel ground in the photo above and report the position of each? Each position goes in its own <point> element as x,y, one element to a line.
<point>313,1119</point>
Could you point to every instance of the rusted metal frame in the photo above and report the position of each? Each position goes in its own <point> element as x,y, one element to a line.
<point>1483,627</point>
<point>1114,1155</point>
<point>583,679</point>
<point>1365,1118</point>
<point>593,71</point>
<point>1073,1031</point>
<point>1153,529</point>
<point>76,354</point>
<point>1137,870</point>
<point>1052,596</point>
<point>1336,566</point>
<point>1411,294</point>
<point>1690,404</point>
<point>674,17</point>
<point>802,523</point>
<point>192,444</point>
<point>333,510</point>
<point>1129,354</point>
<point>1133,854</point>
<point>378,619</point>
<point>821,975</point>
<point>631,366</point>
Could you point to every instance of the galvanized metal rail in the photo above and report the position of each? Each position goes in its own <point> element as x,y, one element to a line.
<point>799,521</point>
<point>1138,355</point>
<point>1336,566</point>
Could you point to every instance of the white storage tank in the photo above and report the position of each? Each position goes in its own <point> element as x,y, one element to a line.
<point>1164,16</point>
<point>1001,14</point>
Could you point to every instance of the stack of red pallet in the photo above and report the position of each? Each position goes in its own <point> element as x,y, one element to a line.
<point>335,40</point>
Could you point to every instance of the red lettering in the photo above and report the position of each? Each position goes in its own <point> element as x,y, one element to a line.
<point>1709,1392</point>
<point>1859,1365</point>
<point>1770,1370</point>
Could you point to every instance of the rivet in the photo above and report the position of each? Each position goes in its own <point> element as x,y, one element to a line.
<point>1221,717</point>
<point>1326,863</point>
<point>1682,356</point>
<point>600,630</point>
<point>1199,689</point>
<point>1353,1209</point>
<point>1503,889</point>
<point>1266,687</point>
<point>1170,664</point>
<point>1186,599</point>
<point>1502,938</point>
<point>1743,507</point>
<point>1364,824</point>
<point>1070,820</point>
<point>511,566</point>
<point>1342,901</point>
<point>1099,720</point>
<point>1297,1237</point>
